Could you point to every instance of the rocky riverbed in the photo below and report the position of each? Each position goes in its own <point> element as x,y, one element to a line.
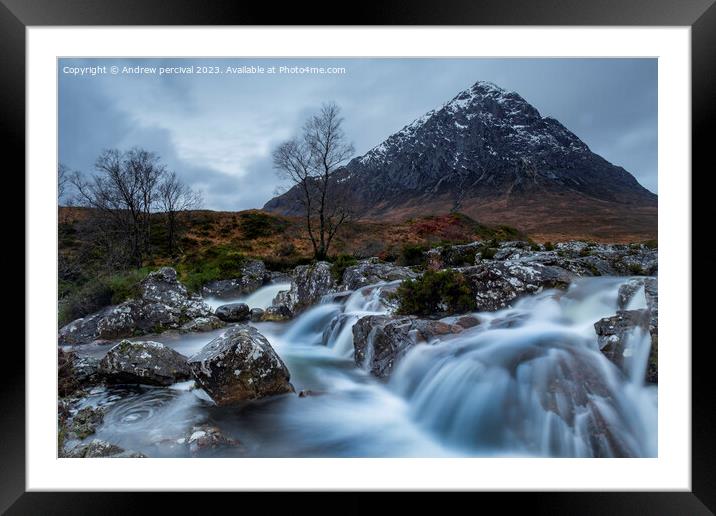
<point>559,357</point>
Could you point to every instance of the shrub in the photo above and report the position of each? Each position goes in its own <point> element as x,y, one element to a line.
<point>651,244</point>
<point>488,253</point>
<point>340,264</point>
<point>585,251</point>
<point>256,224</point>
<point>548,246</point>
<point>412,254</point>
<point>90,297</point>
<point>435,292</point>
<point>636,269</point>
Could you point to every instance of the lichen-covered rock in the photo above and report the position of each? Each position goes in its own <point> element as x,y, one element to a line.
<point>102,449</point>
<point>309,284</point>
<point>240,365</point>
<point>496,284</point>
<point>145,362</point>
<point>201,324</point>
<point>205,440</point>
<point>164,304</point>
<point>253,276</point>
<point>371,271</point>
<point>75,372</point>
<point>277,313</point>
<point>233,312</point>
<point>83,423</point>
<point>381,341</point>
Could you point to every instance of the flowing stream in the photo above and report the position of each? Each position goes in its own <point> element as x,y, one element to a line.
<point>528,381</point>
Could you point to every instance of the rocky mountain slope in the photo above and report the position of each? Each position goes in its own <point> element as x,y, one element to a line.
<point>489,154</point>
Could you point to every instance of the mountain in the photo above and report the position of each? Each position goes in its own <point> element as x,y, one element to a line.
<point>489,154</point>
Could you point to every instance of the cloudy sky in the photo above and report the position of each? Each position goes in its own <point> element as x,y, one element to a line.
<point>217,131</point>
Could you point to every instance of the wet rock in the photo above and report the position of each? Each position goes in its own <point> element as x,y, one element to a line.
<point>201,324</point>
<point>467,321</point>
<point>277,313</point>
<point>76,372</point>
<point>497,284</point>
<point>309,284</point>
<point>145,362</point>
<point>256,314</point>
<point>253,276</point>
<point>233,312</point>
<point>240,365</point>
<point>83,423</point>
<point>381,341</point>
<point>204,440</point>
<point>102,449</point>
<point>164,304</point>
<point>371,271</point>
<point>305,393</point>
<point>613,333</point>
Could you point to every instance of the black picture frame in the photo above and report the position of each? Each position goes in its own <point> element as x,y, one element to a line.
<point>700,15</point>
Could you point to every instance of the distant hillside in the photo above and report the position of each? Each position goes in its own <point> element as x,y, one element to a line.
<point>489,154</point>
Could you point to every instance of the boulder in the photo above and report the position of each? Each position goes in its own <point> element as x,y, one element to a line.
<point>75,372</point>
<point>145,362</point>
<point>240,365</point>
<point>204,440</point>
<point>613,332</point>
<point>233,312</point>
<point>201,324</point>
<point>164,304</point>
<point>277,313</point>
<point>102,449</point>
<point>256,314</point>
<point>497,284</point>
<point>371,271</point>
<point>309,284</point>
<point>83,423</point>
<point>253,276</point>
<point>380,341</point>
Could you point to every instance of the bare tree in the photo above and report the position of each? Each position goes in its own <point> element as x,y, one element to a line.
<point>122,192</point>
<point>63,178</point>
<point>311,162</point>
<point>173,198</point>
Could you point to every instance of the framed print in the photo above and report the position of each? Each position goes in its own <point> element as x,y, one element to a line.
<point>424,252</point>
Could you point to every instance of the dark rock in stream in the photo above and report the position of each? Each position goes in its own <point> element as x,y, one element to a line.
<point>205,440</point>
<point>497,284</point>
<point>277,313</point>
<point>380,341</point>
<point>372,271</point>
<point>309,284</point>
<point>233,312</point>
<point>145,362</point>
<point>614,333</point>
<point>256,314</point>
<point>201,324</point>
<point>240,365</point>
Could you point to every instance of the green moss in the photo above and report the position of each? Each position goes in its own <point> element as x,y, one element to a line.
<point>636,269</point>
<point>340,264</point>
<point>435,292</point>
<point>548,246</point>
<point>214,263</point>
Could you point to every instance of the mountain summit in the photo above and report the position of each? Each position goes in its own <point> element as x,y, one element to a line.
<point>489,154</point>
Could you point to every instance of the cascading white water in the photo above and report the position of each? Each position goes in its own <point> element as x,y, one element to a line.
<point>528,381</point>
<point>261,298</point>
<point>531,380</point>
